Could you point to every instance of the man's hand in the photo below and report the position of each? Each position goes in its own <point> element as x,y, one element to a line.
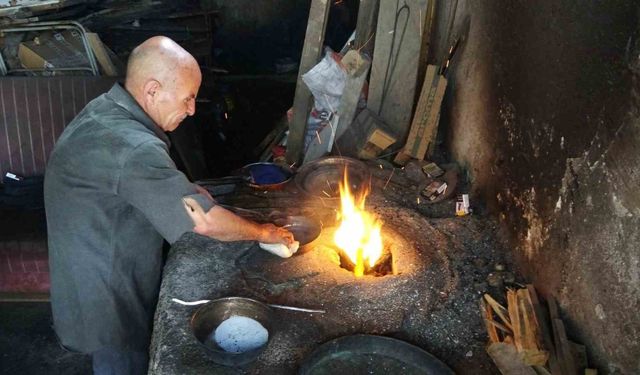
<point>224,225</point>
<point>274,234</point>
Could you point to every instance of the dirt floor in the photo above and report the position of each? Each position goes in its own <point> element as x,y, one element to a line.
<point>29,346</point>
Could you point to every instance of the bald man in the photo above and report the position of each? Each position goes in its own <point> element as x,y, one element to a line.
<point>112,194</point>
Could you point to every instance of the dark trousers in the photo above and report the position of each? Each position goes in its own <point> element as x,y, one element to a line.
<point>110,361</point>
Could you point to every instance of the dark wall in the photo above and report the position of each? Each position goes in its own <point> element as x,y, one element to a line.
<point>543,112</point>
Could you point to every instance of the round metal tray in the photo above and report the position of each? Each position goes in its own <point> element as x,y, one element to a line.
<point>322,177</point>
<point>370,354</point>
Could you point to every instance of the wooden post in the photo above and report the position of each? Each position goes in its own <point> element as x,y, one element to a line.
<point>311,53</point>
<point>352,90</point>
<point>366,26</point>
<point>394,71</point>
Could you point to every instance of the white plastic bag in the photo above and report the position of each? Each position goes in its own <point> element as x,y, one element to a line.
<point>326,82</point>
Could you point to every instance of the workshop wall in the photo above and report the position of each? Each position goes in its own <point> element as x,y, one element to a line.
<point>543,111</point>
<point>252,36</point>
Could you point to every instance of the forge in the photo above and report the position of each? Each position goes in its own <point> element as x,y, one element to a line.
<point>408,295</point>
<point>407,280</point>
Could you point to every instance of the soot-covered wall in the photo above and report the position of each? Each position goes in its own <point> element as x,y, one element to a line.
<point>543,111</point>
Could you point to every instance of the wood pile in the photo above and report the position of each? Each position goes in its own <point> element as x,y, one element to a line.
<point>526,339</point>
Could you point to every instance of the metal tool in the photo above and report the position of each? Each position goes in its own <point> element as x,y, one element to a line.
<point>203,301</point>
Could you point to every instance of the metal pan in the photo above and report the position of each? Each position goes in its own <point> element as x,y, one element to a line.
<point>260,176</point>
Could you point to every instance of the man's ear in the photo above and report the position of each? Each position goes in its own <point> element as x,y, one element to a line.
<point>151,88</point>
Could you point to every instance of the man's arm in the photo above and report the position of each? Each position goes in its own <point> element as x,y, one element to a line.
<point>224,225</point>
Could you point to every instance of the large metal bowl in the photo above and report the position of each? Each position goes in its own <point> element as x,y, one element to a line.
<point>321,178</point>
<point>209,316</point>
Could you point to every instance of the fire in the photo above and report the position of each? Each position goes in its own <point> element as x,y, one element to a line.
<point>359,232</point>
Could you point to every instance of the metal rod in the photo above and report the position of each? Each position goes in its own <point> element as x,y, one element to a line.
<point>297,309</point>
<point>203,301</point>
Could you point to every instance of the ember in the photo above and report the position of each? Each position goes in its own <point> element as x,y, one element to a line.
<point>358,233</point>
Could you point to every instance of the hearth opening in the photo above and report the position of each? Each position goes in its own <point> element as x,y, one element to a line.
<point>383,265</point>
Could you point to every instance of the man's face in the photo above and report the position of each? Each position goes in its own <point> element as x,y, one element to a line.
<point>176,99</point>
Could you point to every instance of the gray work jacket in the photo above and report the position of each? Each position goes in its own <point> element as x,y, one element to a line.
<point>112,193</point>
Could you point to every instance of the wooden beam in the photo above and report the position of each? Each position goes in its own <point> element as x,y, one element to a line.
<point>514,317</point>
<point>508,360</point>
<point>366,26</point>
<point>394,70</point>
<point>311,53</point>
<point>561,342</point>
<point>352,90</point>
<point>100,51</point>
<point>542,318</point>
<point>499,310</point>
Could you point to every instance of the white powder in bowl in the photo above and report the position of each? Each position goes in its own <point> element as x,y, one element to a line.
<point>239,334</point>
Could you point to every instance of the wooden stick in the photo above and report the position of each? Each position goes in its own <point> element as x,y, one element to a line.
<point>487,316</point>
<point>512,307</point>
<point>499,310</point>
<point>499,326</point>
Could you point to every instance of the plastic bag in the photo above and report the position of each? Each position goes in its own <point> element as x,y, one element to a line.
<point>326,82</point>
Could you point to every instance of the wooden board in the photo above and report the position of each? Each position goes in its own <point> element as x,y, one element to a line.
<point>311,53</point>
<point>487,317</point>
<point>366,26</point>
<point>394,70</point>
<point>542,319</point>
<point>424,127</point>
<point>508,360</point>
<point>351,94</point>
<point>354,138</point>
<point>561,342</point>
<point>102,56</point>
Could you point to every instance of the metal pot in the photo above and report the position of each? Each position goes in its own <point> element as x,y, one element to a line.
<point>209,316</point>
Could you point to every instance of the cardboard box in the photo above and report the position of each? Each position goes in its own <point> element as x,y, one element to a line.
<point>54,50</point>
<point>377,141</point>
<point>424,126</point>
<point>366,138</point>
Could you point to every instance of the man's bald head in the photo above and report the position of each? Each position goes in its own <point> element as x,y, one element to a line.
<point>160,76</point>
<point>159,58</point>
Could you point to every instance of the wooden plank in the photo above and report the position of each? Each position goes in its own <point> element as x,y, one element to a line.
<point>534,353</point>
<point>487,317</point>
<point>579,354</point>
<point>424,127</point>
<point>394,70</point>
<point>544,328</point>
<point>500,310</point>
<point>563,349</point>
<point>264,148</point>
<point>590,371</point>
<point>311,53</point>
<point>366,26</point>
<point>102,56</point>
<point>427,32</point>
<point>514,317</point>
<point>352,90</point>
<point>508,360</point>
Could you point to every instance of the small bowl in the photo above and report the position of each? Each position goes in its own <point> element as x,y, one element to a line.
<point>304,229</point>
<point>207,318</point>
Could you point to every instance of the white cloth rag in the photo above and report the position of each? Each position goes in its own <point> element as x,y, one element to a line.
<point>281,250</point>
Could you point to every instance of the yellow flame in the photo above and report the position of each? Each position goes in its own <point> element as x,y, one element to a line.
<point>359,231</point>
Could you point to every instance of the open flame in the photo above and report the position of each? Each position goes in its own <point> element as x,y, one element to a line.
<point>359,233</point>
